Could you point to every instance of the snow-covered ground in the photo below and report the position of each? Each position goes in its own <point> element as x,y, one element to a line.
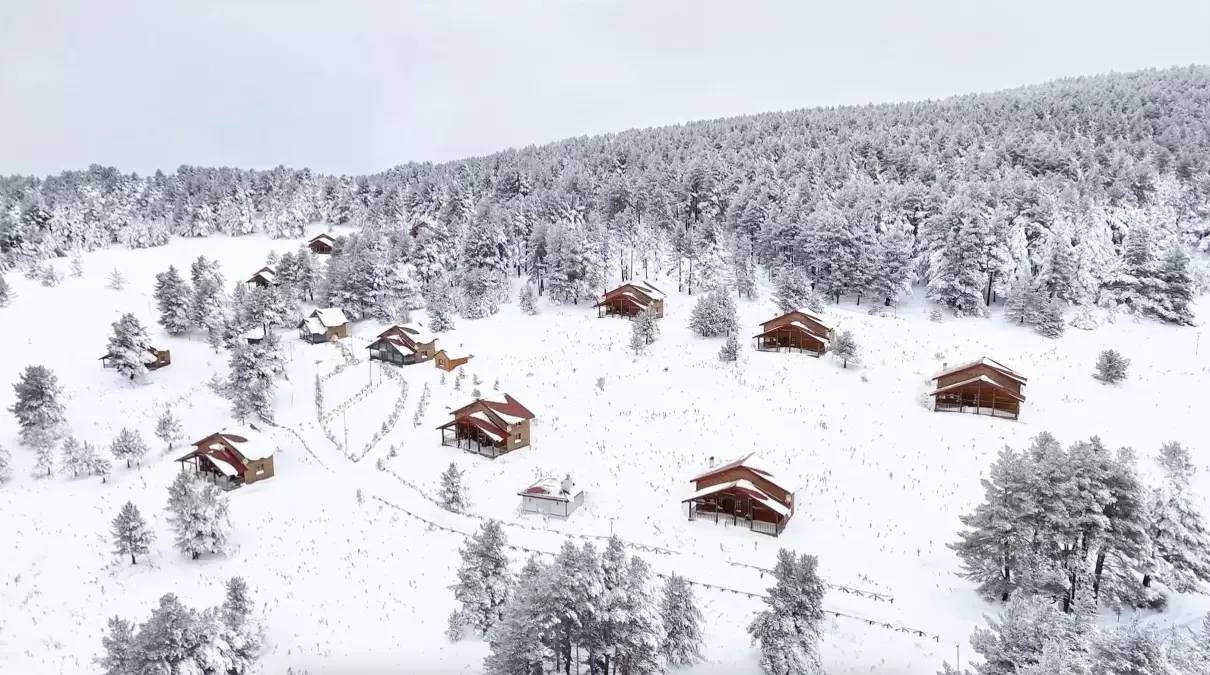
<point>349,580</point>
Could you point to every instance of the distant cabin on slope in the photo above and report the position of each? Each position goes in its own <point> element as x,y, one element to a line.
<point>323,325</point>
<point>449,361</point>
<point>801,330</point>
<point>552,498</point>
<point>322,244</point>
<point>232,457</point>
<point>741,493</point>
<point>631,298</point>
<point>982,387</point>
<point>488,427</point>
<point>404,345</point>
<point>154,360</point>
<point>255,335</point>
<point>264,277</point>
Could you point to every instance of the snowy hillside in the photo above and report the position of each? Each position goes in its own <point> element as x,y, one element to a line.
<point>352,562</point>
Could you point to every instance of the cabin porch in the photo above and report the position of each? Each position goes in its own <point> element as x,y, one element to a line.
<point>469,437</point>
<point>737,510</point>
<point>978,398</point>
<point>209,471</point>
<point>780,339</point>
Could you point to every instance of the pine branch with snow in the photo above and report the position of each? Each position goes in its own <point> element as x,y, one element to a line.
<point>131,534</point>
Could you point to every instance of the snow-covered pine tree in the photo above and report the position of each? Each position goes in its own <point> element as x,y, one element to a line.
<point>793,289</point>
<point>439,302</point>
<point>485,583</point>
<point>269,354</point>
<point>637,342</point>
<point>729,352</point>
<point>648,325</point>
<point>44,465</point>
<point>172,298</point>
<point>845,348</point>
<point>1173,305</point>
<point>128,445</point>
<point>1135,648</point>
<point>268,308</point>
<point>1028,626</point>
<point>131,534</point>
<point>682,621</point>
<point>518,642</point>
<point>50,276</point>
<point>1111,367</point>
<point>307,274</point>
<point>892,275</point>
<point>38,408</point>
<point>169,641</point>
<point>452,493</point>
<point>240,631</point>
<point>250,384</point>
<point>529,299</point>
<point>1084,319</point>
<point>119,645</point>
<point>1050,321</point>
<point>1017,305</point>
<point>789,630</point>
<point>1180,540</point>
<point>714,315</point>
<point>115,281</point>
<point>88,460</point>
<point>198,514</point>
<point>168,428</point>
<point>130,347</point>
<point>993,545</point>
<point>1058,277</point>
<point>206,306</point>
<point>72,457</point>
<point>101,467</point>
<point>958,282</point>
<point>6,464</point>
<point>743,266</point>
<point>1137,284</point>
<point>6,293</point>
<point>77,264</point>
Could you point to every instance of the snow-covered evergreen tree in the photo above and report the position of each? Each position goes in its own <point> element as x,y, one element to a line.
<point>1111,367</point>
<point>485,583</point>
<point>1135,648</point>
<point>440,306</point>
<point>251,384</point>
<point>50,276</point>
<point>206,306</point>
<point>130,347</point>
<point>6,464</point>
<point>958,281</point>
<point>1017,639</point>
<point>518,641</point>
<point>76,457</point>
<point>129,446</point>
<point>682,621</point>
<point>6,293</point>
<point>789,630</point>
<point>268,308</point>
<point>169,641</point>
<point>1177,294</point>
<point>793,290</point>
<point>168,428</point>
<point>1084,319</point>
<point>44,461</point>
<point>77,264</point>
<point>1179,537</point>
<point>845,348</point>
<point>729,352</point>
<point>638,342</point>
<point>116,281</point>
<point>647,324</point>
<point>119,645</point>
<point>529,300</point>
<point>198,514</point>
<point>131,534</point>
<point>891,276</point>
<point>714,315</point>
<point>1050,321</point>
<point>452,492</point>
<point>241,634</point>
<point>172,297</point>
<point>39,408</point>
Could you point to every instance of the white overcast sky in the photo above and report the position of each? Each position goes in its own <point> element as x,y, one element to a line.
<point>354,86</point>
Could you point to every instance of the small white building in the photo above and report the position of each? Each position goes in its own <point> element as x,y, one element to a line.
<point>552,498</point>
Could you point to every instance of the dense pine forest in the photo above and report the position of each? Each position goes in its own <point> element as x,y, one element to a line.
<point>1083,191</point>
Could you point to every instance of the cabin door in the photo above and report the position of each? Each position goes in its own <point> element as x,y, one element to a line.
<point>728,504</point>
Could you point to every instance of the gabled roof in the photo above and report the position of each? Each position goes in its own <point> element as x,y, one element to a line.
<point>152,355</point>
<point>752,462</point>
<point>483,423</point>
<point>325,238</point>
<point>981,378</point>
<point>826,323</point>
<point>798,325</point>
<point>234,445</point>
<point>414,331</point>
<point>330,317</point>
<point>314,325</point>
<point>643,287</point>
<point>994,365</point>
<point>648,288</point>
<point>507,408</point>
<point>747,487</point>
<point>454,355</point>
<point>267,273</point>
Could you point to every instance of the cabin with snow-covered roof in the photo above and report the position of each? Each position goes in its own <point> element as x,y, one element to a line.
<point>552,498</point>
<point>153,360</point>
<point>404,345</point>
<point>232,457</point>
<point>264,277</point>
<point>489,427</point>
<point>321,244</point>
<point>741,492</point>
<point>980,387</point>
<point>800,330</point>
<point>631,298</point>
<point>323,325</point>
<point>449,360</point>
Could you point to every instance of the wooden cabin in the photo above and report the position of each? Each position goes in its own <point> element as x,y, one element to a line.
<point>488,427</point>
<point>449,361</point>
<point>552,498</point>
<point>404,345</point>
<point>255,335</point>
<point>323,325</point>
<point>631,298</point>
<point>322,244</point>
<point>743,494</point>
<point>801,330</point>
<point>264,277</point>
<point>154,360</point>
<point>232,457</point>
<point>982,387</point>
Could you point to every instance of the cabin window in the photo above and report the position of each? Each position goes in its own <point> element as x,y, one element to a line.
<point>375,354</point>
<point>441,362</point>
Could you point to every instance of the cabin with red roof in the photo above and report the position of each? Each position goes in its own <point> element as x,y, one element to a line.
<point>982,387</point>
<point>800,330</point>
<point>488,427</point>
<point>322,244</point>
<point>232,457</point>
<point>404,345</point>
<point>741,493</point>
<point>631,298</point>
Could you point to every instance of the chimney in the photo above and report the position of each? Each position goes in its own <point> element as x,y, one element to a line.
<point>711,461</point>
<point>566,486</point>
